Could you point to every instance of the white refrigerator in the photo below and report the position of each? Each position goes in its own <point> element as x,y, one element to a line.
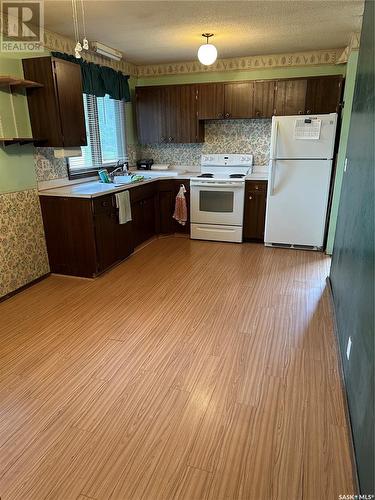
<point>301,157</point>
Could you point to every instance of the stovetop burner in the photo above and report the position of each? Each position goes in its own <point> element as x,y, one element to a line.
<point>208,176</point>
<point>236,176</point>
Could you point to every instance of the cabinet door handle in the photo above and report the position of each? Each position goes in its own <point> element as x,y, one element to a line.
<point>257,113</point>
<point>257,187</point>
<point>308,111</point>
<point>300,112</point>
<point>250,197</point>
<point>227,115</point>
<point>162,139</point>
<point>220,115</point>
<point>170,139</point>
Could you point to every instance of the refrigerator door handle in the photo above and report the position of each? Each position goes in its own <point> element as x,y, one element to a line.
<point>275,135</point>
<point>272,177</point>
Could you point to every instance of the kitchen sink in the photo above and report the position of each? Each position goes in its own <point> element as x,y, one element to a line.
<point>128,179</point>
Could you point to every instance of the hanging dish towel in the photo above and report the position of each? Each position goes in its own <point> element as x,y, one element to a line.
<point>123,205</point>
<point>180,209</point>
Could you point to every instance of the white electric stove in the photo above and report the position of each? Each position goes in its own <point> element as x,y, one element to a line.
<point>217,197</point>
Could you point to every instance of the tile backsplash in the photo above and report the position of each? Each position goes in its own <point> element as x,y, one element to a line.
<point>48,167</point>
<point>221,136</point>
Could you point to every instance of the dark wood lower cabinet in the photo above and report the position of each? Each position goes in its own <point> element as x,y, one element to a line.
<point>113,241</point>
<point>84,237</point>
<point>255,210</point>
<point>144,212</point>
<point>168,190</point>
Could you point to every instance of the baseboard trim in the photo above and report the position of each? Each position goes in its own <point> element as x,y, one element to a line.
<point>343,388</point>
<point>23,287</point>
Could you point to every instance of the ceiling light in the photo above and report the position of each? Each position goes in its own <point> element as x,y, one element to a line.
<point>106,51</point>
<point>207,53</point>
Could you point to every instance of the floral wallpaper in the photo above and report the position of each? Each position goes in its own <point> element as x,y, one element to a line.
<point>48,167</point>
<point>23,253</point>
<point>221,136</point>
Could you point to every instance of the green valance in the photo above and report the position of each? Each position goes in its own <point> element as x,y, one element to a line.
<point>100,80</point>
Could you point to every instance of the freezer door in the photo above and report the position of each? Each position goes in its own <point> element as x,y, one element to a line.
<point>297,202</point>
<point>286,144</point>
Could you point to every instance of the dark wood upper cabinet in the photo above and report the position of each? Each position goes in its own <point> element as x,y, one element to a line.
<point>56,110</point>
<point>176,113</point>
<point>168,114</point>
<point>179,117</point>
<point>149,114</point>
<point>290,97</point>
<point>210,101</point>
<point>239,100</point>
<point>324,94</point>
<point>264,94</point>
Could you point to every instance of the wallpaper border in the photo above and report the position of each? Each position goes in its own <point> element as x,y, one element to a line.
<point>296,59</point>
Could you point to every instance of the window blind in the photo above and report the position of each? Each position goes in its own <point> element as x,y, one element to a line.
<point>105,130</point>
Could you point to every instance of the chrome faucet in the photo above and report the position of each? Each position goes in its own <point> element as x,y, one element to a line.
<point>120,166</point>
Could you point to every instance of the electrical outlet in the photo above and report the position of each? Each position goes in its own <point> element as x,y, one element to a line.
<point>345,164</point>
<point>348,348</point>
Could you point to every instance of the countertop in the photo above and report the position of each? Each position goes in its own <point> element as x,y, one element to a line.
<point>94,188</point>
<point>257,176</point>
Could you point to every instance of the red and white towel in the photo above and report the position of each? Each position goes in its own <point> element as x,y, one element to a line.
<point>180,208</point>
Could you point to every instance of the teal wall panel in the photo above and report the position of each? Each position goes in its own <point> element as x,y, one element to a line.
<point>352,271</point>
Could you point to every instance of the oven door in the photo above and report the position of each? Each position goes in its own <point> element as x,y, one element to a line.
<point>217,203</point>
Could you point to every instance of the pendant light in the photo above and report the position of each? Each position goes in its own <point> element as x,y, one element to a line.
<point>85,44</point>
<point>207,53</point>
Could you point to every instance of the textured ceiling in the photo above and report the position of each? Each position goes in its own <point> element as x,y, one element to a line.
<point>170,31</point>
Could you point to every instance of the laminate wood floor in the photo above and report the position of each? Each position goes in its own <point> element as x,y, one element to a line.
<point>193,370</point>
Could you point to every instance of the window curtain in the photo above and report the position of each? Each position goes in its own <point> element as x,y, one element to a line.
<point>100,80</point>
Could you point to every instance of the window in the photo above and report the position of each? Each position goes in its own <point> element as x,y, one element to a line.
<point>105,129</point>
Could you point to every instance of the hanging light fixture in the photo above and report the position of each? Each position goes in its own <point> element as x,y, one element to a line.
<point>85,44</point>
<point>207,53</point>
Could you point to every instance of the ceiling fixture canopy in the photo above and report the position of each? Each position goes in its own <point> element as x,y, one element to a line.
<point>207,53</point>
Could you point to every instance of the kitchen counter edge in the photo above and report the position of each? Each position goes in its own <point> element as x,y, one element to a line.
<point>67,191</point>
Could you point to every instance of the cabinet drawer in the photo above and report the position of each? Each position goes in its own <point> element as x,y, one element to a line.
<point>141,192</point>
<point>256,186</point>
<point>103,204</point>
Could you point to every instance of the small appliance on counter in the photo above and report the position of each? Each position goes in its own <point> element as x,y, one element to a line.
<point>145,164</point>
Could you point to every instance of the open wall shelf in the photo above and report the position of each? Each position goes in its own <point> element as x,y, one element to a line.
<point>13,85</point>
<point>8,141</point>
<point>12,82</point>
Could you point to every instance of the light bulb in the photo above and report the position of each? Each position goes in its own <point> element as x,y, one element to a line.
<point>207,54</point>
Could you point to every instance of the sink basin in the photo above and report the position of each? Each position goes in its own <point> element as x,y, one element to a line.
<point>151,174</point>
<point>126,179</point>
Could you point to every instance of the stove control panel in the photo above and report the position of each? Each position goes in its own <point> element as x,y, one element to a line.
<point>230,160</point>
